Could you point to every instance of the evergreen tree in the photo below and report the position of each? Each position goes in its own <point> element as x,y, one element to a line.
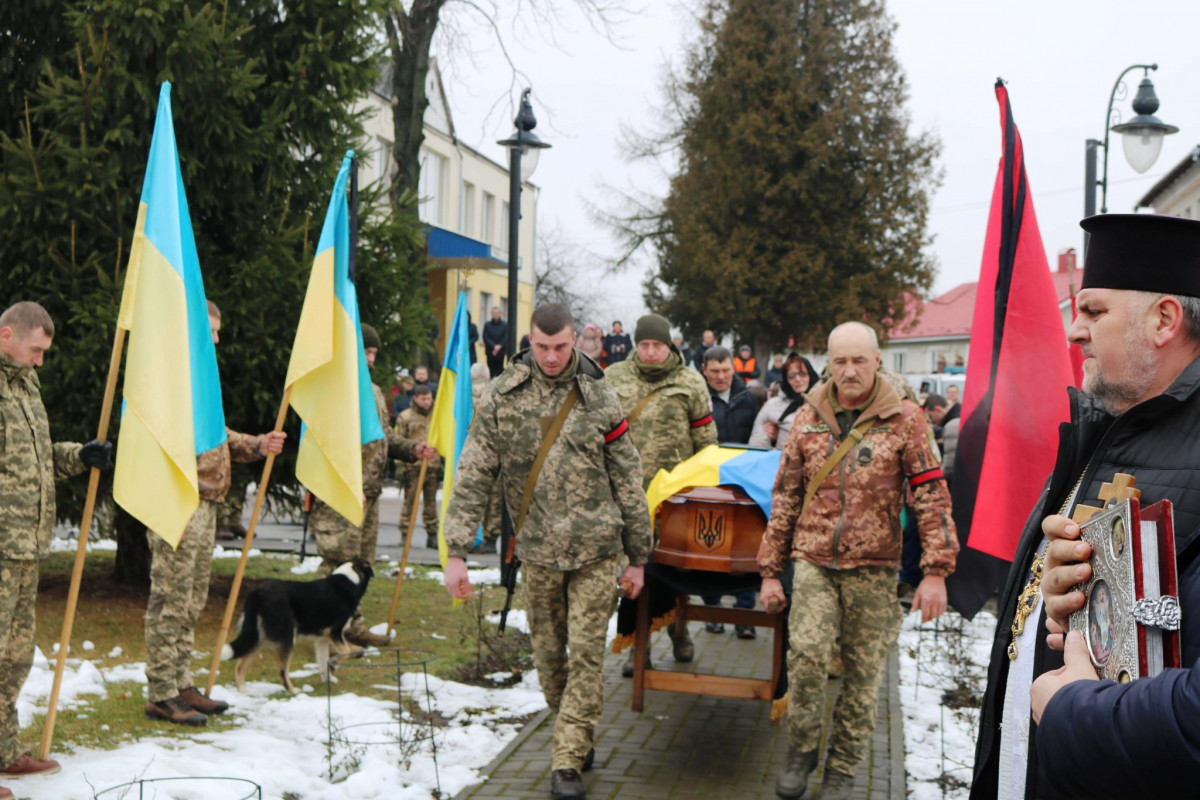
<point>801,198</point>
<point>262,95</point>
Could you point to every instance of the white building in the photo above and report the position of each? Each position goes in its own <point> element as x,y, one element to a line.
<point>465,202</point>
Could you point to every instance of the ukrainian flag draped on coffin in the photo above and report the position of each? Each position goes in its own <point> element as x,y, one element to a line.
<point>172,409</point>
<point>453,408</point>
<point>753,470</point>
<point>327,375</point>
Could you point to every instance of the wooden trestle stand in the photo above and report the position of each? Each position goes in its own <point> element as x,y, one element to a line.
<point>713,529</point>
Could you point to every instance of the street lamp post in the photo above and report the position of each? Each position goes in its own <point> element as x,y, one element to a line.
<point>1142,137</point>
<point>522,143</point>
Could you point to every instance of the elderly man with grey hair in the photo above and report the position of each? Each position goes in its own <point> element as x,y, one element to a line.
<point>835,516</point>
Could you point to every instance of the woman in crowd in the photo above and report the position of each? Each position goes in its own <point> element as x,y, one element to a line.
<point>775,418</point>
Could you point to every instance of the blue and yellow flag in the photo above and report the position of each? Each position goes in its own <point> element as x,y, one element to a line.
<point>453,408</point>
<point>172,410</point>
<point>327,375</point>
<point>753,470</point>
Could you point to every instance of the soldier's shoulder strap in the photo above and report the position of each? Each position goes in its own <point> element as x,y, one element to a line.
<point>855,435</point>
<point>547,442</point>
<point>641,406</point>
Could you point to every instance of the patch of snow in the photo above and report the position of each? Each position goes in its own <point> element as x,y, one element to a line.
<point>939,661</point>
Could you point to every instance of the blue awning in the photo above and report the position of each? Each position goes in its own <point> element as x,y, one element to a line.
<point>444,244</point>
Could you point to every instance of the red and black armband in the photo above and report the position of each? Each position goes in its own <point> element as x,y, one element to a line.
<point>617,432</point>
<point>700,423</point>
<point>928,475</point>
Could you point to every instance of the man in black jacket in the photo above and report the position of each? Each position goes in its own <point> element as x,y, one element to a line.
<point>617,344</point>
<point>734,409</point>
<point>495,342</point>
<point>1139,327</point>
<point>734,406</point>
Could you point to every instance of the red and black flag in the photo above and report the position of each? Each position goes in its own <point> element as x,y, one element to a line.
<point>1016,385</point>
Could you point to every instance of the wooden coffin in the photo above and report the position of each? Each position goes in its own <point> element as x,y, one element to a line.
<point>714,528</point>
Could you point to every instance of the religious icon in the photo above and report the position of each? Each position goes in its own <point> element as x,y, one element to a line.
<point>1118,536</point>
<point>1100,623</point>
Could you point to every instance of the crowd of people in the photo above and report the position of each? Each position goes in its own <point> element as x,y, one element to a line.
<point>567,435</point>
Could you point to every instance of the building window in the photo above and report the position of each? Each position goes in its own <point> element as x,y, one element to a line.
<point>504,226</point>
<point>898,360</point>
<point>485,307</point>
<point>432,188</point>
<point>383,160</point>
<point>467,212</point>
<point>487,218</point>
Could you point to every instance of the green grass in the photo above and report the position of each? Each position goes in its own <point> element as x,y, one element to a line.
<point>111,616</point>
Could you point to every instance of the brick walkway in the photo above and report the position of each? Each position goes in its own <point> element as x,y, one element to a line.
<point>688,746</point>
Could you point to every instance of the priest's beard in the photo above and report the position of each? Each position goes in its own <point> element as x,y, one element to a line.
<point>1116,395</point>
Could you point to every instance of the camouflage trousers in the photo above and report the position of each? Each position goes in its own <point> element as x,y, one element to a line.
<point>568,615</point>
<point>339,540</point>
<point>230,513</point>
<point>179,581</point>
<point>861,604</point>
<point>430,508</point>
<point>18,593</point>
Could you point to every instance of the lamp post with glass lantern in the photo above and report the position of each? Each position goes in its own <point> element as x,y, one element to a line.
<point>523,149</point>
<point>1142,138</point>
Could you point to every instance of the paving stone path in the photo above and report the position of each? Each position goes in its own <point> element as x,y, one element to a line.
<point>690,746</point>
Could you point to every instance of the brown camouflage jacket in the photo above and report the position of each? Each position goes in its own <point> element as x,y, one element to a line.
<point>29,465</point>
<point>213,467</point>
<point>414,426</point>
<point>377,453</point>
<point>854,518</point>
<point>676,423</point>
<point>588,503</point>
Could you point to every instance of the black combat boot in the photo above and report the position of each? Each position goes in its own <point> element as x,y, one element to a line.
<point>566,784</point>
<point>835,785</point>
<point>792,782</point>
<point>682,646</point>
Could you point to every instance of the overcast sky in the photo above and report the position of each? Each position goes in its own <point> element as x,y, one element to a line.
<point>1059,57</point>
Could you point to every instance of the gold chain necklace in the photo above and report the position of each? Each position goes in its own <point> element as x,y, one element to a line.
<point>1027,602</point>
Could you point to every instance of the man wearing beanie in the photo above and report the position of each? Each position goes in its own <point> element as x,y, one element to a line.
<point>338,539</point>
<point>413,425</point>
<point>1138,413</point>
<point>669,415</point>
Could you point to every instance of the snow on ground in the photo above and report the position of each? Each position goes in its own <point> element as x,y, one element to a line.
<point>281,743</point>
<point>489,576</point>
<point>943,673</point>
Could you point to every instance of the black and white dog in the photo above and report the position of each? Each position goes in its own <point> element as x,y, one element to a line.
<point>279,611</point>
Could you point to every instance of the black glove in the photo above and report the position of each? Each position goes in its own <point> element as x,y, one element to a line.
<point>97,455</point>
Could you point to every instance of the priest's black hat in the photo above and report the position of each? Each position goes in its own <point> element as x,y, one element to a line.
<point>1143,252</point>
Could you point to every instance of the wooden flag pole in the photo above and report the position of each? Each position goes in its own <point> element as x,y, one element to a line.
<point>85,526</point>
<point>412,523</point>
<point>241,567</point>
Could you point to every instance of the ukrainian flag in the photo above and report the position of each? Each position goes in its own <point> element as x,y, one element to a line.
<point>753,470</point>
<point>327,377</point>
<point>172,394</point>
<point>453,408</point>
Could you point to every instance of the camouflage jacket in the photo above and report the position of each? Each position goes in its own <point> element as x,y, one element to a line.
<point>213,467</point>
<point>413,425</point>
<point>854,518</point>
<point>588,503</point>
<point>29,465</point>
<point>676,423</point>
<point>377,453</point>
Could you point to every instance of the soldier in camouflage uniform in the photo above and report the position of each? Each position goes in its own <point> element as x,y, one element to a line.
<point>29,466</point>
<point>670,419</point>
<point>179,578</point>
<point>587,511</point>
<point>413,424</point>
<point>846,549</point>
<point>338,539</point>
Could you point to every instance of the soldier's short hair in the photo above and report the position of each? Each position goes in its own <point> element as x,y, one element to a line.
<point>717,353</point>
<point>421,388</point>
<point>213,311</point>
<point>25,316</point>
<point>550,318</point>
<point>933,401</point>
